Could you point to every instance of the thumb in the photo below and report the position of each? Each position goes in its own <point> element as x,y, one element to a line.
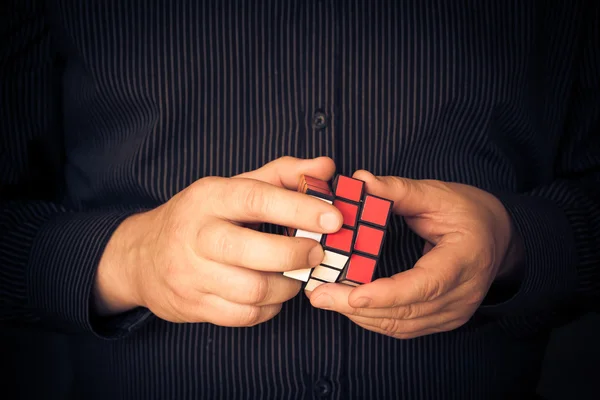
<point>286,171</point>
<point>434,274</point>
<point>411,197</point>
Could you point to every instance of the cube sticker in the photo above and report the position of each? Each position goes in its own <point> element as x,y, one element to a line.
<point>369,240</point>
<point>299,274</point>
<point>352,253</point>
<point>360,269</point>
<point>309,235</point>
<point>341,241</point>
<point>312,284</point>
<point>349,212</point>
<point>334,260</point>
<point>349,188</point>
<point>376,210</point>
<point>325,273</point>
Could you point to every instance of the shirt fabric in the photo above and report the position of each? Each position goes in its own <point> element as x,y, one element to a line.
<point>109,108</point>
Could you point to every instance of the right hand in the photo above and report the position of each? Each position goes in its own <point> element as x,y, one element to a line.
<point>196,258</point>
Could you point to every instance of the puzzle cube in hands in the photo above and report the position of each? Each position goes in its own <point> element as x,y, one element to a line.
<point>352,253</point>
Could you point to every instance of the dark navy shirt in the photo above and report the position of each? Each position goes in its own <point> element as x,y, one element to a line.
<point>109,108</point>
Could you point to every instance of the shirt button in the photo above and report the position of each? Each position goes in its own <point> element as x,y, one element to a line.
<point>323,387</point>
<point>319,120</point>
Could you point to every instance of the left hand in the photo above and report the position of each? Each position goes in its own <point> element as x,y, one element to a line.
<point>469,244</point>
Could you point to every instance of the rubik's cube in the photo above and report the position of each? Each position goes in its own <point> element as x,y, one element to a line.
<point>351,253</point>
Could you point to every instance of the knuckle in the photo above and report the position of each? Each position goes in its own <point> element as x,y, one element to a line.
<point>179,290</point>
<point>294,257</point>
<point>475,297</point>
<point>389,326</point>
<point>207,184</point>
<point>251,317</point>
<point>178,233</point>
<point>259,290</point>
<point>171,272</point>
<point>198,199</point>
<point>488,258</point>
<point>296,210</point>
<point>224,245</point>
<point>254,201</point>
<point>286,159</point>
<point>431,289</point>
<point>412,327</point>
<point>358,312</point>
<point>405,312</point>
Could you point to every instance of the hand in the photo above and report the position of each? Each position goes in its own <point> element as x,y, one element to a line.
<point>195,259</point>
<point>469,243</point>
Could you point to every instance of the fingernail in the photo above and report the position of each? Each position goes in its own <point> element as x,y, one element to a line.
<point>329,221</point>
<point>362,302</point>
<point>315,256</point>
<point>323,301</point>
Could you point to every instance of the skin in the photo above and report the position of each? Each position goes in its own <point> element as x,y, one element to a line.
<point>470,243</point>
<point>212,265</point>
<point>199,258</point>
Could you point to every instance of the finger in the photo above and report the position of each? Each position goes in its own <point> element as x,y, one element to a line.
<point>252,201</point>
<point>391,325</point>
<point>218,311</point>
<point>231,244</point>
<point>245,286</point>
<point>336,299</point>
<point>387,328</point>
<point>434,275</point>
<point>286,171</point>
<point>411,197</point>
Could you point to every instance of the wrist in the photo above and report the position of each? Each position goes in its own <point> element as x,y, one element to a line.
<point>115,284</point>
<point>513,260</point>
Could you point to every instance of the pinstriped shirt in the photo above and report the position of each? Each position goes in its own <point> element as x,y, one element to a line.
<point>111,107</point>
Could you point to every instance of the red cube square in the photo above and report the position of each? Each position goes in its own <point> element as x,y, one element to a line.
<point>349,212</point>
<point>360,269</point>
<point>349,188</point>
<point>369,240</point>
<point>376,210</point>
<point>341,241</point>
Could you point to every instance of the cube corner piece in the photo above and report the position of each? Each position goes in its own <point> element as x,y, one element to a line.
<point>308,235</point>
<point>360,270</point>
<point>315,187</point>
<point>309,180</point>
<point>299,274</point>
<point>348,188</point>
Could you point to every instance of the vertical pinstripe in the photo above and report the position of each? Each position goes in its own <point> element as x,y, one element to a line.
<point>157,94</point>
